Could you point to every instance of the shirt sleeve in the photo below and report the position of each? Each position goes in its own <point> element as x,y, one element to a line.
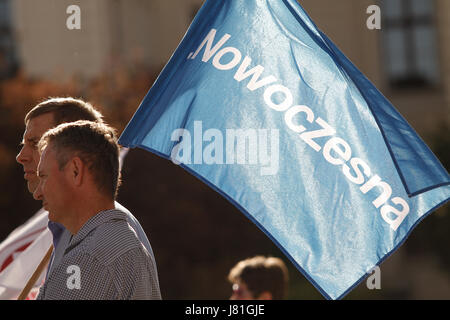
<point>134,276</point>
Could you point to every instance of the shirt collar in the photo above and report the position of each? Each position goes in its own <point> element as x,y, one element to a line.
<point>95,221</point>
<point>56,229</point>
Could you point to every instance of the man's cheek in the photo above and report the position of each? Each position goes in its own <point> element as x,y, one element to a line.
<point>36,158</point>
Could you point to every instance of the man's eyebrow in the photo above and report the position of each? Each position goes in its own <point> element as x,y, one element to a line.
<point>33,140</point>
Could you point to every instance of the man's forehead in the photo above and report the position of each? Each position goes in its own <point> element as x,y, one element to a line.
<point>46,158</point>
<point>37,126</point>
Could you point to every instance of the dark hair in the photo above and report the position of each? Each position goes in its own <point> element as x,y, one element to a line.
<point>65,110</point>
<point>94,143</point>
<point>262,274</point>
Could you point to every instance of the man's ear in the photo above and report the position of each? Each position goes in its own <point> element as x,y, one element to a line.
<point>75,170</point>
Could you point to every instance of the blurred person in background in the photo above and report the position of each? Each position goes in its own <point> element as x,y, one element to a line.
<point>259,278</point>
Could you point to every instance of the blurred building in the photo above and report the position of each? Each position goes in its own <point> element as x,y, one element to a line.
<point>408,59</point>
<point>8,62</point>
<point>111,31</point>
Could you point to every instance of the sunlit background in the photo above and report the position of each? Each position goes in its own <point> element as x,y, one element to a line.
<point>196,235</point>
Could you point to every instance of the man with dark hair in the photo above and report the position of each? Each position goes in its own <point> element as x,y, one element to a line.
<point>65,110</point>
<point>78,180</point>
<point>259,278</point>
<point>44,116</point>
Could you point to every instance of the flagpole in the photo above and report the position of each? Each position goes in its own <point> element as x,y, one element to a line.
<point>36,274</point>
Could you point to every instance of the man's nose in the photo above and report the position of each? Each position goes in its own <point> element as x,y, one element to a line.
<point>23,155</point>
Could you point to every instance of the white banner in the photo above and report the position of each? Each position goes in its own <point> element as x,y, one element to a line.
<point>20,254</point>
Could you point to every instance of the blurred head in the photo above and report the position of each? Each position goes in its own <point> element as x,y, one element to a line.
<point>79,160</point>
<point>44,116</point>
<point>259,278</point>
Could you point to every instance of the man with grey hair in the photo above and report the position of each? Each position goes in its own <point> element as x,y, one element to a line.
<point>78,180</point>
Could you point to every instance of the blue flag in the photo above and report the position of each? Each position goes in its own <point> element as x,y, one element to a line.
<point>265,109</point>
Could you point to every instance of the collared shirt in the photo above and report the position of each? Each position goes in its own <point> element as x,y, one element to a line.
<point>62,236</point>
<point>104,260</point>
<point>57,231</point>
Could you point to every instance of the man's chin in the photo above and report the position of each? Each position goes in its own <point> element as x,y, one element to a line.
<point>32,186</point>
<point>51,217</point>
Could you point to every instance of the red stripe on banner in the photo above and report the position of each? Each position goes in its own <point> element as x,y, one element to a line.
<point>10,258</point>
<point>24,237</point>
